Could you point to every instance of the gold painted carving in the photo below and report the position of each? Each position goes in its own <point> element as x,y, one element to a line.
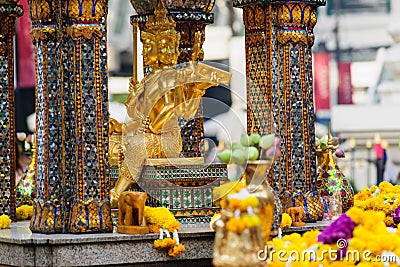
<point>42,33</point>
<point>85,32</point>
<point>42,10</point>
<point>87,9</point>
<point>295,23</point>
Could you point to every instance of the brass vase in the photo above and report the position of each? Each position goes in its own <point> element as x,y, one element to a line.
<point>236,249</point>
<point>257,185</point>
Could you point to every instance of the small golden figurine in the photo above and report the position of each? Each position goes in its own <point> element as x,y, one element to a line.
<point>297,215</point>
<point>165,94</point>
<point>131,213</point>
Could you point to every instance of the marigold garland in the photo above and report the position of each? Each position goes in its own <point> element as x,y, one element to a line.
<point>160,217</point>
<point>161,220</point>
<point>370,235</point>
<point>235,225</point>
<point>176,250</point>
<point>5,221</point>
<point>385,197</point>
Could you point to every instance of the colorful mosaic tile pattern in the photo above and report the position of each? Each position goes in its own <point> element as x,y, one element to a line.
<point>186,190</point>
<point>8,13</point>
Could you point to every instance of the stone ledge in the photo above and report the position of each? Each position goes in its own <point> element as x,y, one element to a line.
<point>20,247</point>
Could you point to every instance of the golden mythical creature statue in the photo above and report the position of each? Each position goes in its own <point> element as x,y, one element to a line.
<point>168,92</point>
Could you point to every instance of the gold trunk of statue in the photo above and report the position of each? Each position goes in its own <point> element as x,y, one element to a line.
<point>165,94</point>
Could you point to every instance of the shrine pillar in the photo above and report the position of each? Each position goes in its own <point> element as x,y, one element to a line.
<point>86,41</point>
<point>190,17</point>
<point>278,40</point>
<point>49,204</point>
<point>9,10</point>
<point>72,117</point>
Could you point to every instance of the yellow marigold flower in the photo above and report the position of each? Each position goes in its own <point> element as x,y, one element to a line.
<point>22,213</point>
<point>385,186</point>
<point>154,228</point>
<point>356,215</point>
<point>251,220</point>
<point>164,243</point>
<point>389,221</point>
<point>359,204</point>
<point>286,221</point>
<point>234,203</point>
<point>249,202</point>
<point>235,225</point>
<point>374,190</point>
<point>311,237</point>
<point>356,243</point>
<point>5,221</point>
<point>160,217</point>
<point>397,251</point>
<point>28,210</point>
<point>294,238</point>
<point>176,250</point>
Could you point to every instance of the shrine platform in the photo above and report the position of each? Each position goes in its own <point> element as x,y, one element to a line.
<point>20,247</point>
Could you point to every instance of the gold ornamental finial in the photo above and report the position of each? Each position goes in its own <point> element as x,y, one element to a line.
<point>160,22</point>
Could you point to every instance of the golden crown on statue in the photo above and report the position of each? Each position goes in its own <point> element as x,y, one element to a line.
<point>160,22</point>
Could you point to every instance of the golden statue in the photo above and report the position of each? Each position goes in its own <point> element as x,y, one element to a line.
<point>168,92</point>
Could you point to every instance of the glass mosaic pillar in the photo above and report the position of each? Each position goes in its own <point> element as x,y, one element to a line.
<point>9,10</point>
<point>72,117</point>
<point>86,28</point>
<point>49,205</point>
<point>278,38</point>
<point>190,17</point>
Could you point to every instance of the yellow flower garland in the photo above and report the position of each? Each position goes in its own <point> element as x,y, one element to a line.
<point>385,197</point>
<point>160,217</point>
<point>370,234</point>
<point>161,220</point>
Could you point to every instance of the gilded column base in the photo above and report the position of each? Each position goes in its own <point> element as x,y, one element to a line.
<point>309,201</point>
<point>90,216</point>
<point>47,217</point>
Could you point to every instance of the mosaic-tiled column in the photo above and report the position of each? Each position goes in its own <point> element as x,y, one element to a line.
<point>49,215</point>
<point>86,28</point>
<point>72,117</point>
<point>292,93</point>
<point>9,10</point>
<point>190,17</point>
<point>279,37</point>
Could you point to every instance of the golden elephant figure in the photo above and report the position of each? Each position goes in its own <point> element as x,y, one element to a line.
<point>131,209</point>
<point>297,215</point>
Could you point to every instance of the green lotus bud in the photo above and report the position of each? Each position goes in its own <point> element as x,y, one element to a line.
<point>252,153</point>
<point>255,139</point>
<point>267,141</point>
<point>323,146</point>
<point>225,156</point>
<point>239,156</point>
<point>245,140</point>
<point>323,142</point>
